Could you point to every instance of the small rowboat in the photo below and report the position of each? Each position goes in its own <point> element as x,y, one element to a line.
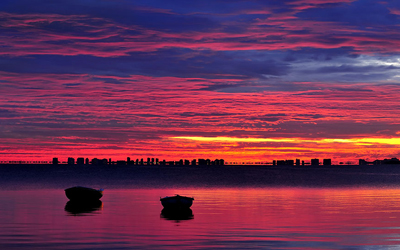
<point>83,194</point>
<point>176,202</point>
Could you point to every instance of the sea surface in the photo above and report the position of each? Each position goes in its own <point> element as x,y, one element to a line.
<point>227,214</point>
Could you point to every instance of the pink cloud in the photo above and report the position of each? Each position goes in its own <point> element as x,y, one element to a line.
<point>65,115</point>
<point>276,32</point>
<point>395,11</point>
<point>319,2</point>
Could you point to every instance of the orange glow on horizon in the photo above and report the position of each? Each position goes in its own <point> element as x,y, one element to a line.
<point>355,141</point>
<point>231,139</point>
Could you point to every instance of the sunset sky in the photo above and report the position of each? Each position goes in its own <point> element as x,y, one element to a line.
<point>240,80</point>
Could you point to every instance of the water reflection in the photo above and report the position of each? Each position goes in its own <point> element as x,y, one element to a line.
<point>241,218</point>
<point>177,214</point>
<point>83,208</point>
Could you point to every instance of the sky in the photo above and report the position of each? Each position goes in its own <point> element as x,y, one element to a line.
<point>245,81</point>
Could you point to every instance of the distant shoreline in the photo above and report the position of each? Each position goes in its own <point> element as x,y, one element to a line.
<point>186,166</point>
<point>14,176</point>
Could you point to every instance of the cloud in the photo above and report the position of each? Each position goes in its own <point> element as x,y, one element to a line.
<point>4,113</point>
<point>123,29</point>
<point>124,77</point>
<point>364,14</point>
<point>173,62</point>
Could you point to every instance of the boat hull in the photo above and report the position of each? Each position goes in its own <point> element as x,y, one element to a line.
<point>176,202</point>
<point>83,194</point>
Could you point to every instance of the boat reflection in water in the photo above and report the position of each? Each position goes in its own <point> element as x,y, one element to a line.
<point>177,214</point>
<point>83,208</point>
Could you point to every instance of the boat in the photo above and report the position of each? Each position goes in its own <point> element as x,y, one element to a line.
<point>176,202</point>
<point>83,194</point>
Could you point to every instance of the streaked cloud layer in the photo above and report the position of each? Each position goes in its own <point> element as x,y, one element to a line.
<point>276,79</point>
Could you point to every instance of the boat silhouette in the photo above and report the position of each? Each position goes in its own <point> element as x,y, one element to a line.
<point>176,202</point>
<point>83,194</point>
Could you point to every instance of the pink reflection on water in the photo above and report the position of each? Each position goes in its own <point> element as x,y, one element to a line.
<point>279,218</point>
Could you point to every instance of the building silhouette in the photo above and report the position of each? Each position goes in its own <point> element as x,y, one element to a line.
<point>71,161</point>
<point>315,162</point>
<point>80,161</point>
<point>280,162</point>
<point>327,162</point>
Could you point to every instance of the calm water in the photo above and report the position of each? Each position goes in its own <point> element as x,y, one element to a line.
<point>230,218</point>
